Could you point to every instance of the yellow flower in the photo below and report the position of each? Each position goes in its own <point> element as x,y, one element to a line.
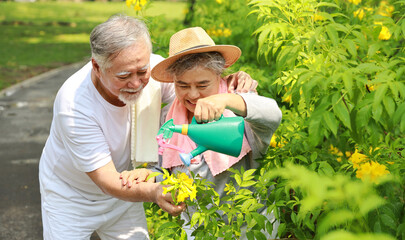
<point>219,1</point>
<point>229,188</point>
<point>371,171</point>
<point>274,143</point>
<point>355,2</point>
<point>287,99</point>
<point>227,32</point>
<point>359,13</point>
<point>336,151</point>
<point>143,2</point>
<point>317,17</point>
<point>182,185</point>
<point>129,3</point>
<point>384,33</point>
<point>219,32</point>
<point>137,7</point>
<point>385,9</point>
<point>357,158</point>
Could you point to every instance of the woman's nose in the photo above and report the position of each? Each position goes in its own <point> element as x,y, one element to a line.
<point>193,93</point>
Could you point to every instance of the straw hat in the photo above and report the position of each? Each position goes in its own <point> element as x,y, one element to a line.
<point>188,41</point>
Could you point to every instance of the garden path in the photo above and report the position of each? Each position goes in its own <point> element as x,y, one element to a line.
<point>25,119</point>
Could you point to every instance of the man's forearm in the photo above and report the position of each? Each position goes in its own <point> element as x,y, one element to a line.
<point>108,180</point>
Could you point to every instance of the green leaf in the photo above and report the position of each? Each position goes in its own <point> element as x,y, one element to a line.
<point>314,156</point>
<point>259,235</point>
<point>348,82</point>
<point>269,227</point>
<point>362,41</point>
<point>281,229</point>
<point>389,105</point>
<point>154,174</point>
<point>248,174</point>
<point>194,219</point>
<point>363,116</point>
<point>238,179</point>
<point>326,4</point>
<point>260,219</point>
<point>333,35</point>
<point>168,225</point>
<point>331,122</point>
<point>388,221</point>
<point>377,112</point>
<point>335,219</point>
<point>314,130</point>
<point>369,68</point>
<point>302,158</point>
<point>342,234</point>
<point>379,94</point>
<point>373,49</point>
<point>370,203</point>
<point>341,111</point>
<point>326,168</point>
<point>248,183</point>
<point>311,42</point>
<point>250,235</point>
<point>351,47</point>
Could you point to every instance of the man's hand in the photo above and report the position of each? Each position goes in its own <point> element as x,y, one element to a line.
<point>166,203</point>
<point>241,82</point>
<point>137,175</point>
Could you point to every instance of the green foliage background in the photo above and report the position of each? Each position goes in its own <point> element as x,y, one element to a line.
<point>339,85</point>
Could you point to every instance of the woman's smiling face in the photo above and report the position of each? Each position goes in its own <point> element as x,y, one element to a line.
<point>194,84</point>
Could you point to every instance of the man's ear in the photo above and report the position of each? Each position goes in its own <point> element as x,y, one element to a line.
<point>96,68</point>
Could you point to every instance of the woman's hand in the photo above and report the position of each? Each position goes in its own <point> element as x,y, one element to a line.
<point>137,175</point>
<point>210,108</point>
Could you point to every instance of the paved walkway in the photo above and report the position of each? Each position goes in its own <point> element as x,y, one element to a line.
<point>25,118</point>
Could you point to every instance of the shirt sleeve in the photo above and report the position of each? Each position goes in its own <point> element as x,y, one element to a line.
<point>83,140</point>
<point>262,119</point>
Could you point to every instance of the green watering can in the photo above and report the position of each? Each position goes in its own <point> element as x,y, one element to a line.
<point>223,136</point>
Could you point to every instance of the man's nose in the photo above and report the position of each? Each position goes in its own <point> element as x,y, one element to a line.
<point>134,82</point>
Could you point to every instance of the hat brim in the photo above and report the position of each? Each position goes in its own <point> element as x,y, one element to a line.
<point>230,53</point>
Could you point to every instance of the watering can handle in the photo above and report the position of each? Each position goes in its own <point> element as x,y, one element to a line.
<point>193,121</point>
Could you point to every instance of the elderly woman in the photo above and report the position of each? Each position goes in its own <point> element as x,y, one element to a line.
<point>195,65</point>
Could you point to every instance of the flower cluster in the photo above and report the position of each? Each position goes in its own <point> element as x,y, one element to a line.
<point>355,2</point>
<point>361,12</point>
<point>219,32</point>
<point>357,158</point>
<point>138,4</point>
<point>338,153</point>
<point>274,143</point>
<point>372,171</point>
<point>385,9</point>
<point>317,17</point>
<point>366,169</point>
<point>180,186</point>
<point>385,33</point>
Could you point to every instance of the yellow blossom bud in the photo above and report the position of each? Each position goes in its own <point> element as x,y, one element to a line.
<point>384,33</point>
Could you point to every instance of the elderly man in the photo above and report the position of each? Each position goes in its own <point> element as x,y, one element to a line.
<point>93,131</point>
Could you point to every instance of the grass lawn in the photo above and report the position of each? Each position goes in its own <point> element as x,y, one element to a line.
<point>36,37</point>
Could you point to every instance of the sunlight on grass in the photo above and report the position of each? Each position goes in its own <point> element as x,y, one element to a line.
<point>61,38</point>
<point>72,38</point>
